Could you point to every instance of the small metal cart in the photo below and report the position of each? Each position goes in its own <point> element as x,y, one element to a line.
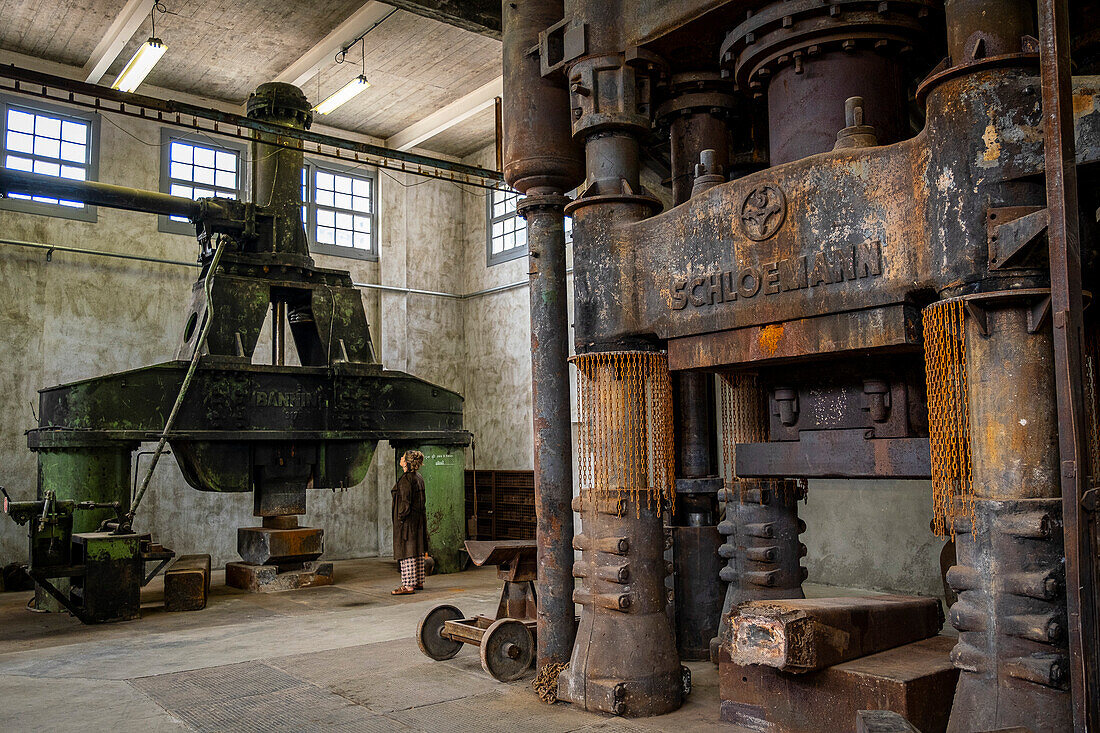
<point>507,641</point>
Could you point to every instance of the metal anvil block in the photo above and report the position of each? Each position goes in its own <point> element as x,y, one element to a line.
<point>270,546</point>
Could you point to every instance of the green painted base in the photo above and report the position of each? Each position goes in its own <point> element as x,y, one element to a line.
<point>444,483</point>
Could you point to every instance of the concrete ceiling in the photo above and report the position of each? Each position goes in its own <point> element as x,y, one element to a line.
<point>223,49</point>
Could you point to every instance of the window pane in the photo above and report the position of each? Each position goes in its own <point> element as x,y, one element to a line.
<point>361,241</point>
<point>18,164</point>
<point>46,168</point>
<point>203,193</point>
<point>74,152</point>
<point>325,198</point>
<point>19,142</point>
<point>204,156</point>
<point>326,218</point>
<point>47,126</point>
<point>20,121</point>
<point>360,203</point>
<point>47,147</point>
<point>343,238</point>
<point>343,221</point>
<point>74,132</point>
<point>362,224</point>
<point>360,187</point>
<point>204,175</point>
<point>178,190</point>
<point>225,179</point>
<point>179,171</point>
<point>225,161</point>
<point>325,180</point>
<point>343,200</point>
<point>343,184</point>
<point>73,172</point>
<point>182,153</point>
<point>326,235</point>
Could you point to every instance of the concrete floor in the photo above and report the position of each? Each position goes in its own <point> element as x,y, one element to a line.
<point>337,658</point>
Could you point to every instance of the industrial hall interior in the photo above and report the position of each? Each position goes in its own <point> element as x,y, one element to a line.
<point>557,366</point>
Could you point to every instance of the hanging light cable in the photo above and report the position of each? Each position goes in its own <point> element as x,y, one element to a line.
<point>359,83</point>
<point>145,58</point>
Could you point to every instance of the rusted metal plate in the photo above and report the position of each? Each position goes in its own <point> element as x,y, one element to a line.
<point>916,681</point>
<point>270,546</point>
<point>892,327</point>
<point>267,578</point>
<point>803,635</point>
<point>187,583</point>
<point>498,552</point>
<point>836,454</point>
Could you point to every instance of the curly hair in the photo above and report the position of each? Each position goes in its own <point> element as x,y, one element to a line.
<point>414,459</point>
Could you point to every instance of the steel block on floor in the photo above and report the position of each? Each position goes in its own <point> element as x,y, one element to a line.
<point>268,578</point>
<point>273,546</point>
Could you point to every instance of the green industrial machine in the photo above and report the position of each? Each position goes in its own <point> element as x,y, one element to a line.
<point>234,423</point>
<point>96,575</point>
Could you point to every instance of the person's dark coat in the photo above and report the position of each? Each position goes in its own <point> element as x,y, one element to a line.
<point>410,519</point>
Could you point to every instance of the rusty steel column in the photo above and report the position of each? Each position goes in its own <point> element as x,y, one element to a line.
<point>556,630</point>
<point>1011,611</point>
<point>542,161</point>
<point>983,28</point>
<point>625,660</point>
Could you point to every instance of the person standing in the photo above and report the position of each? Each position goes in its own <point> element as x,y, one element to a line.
<point>410,523</point>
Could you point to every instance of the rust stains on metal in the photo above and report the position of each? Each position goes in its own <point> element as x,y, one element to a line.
<point>769,338</point>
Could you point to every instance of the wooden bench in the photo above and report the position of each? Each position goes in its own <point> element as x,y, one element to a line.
<point>187,583</point>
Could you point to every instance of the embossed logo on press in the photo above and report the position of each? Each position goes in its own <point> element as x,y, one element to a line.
<point>763,212</point>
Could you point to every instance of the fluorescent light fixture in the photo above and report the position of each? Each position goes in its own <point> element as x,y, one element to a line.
<point>342,95</point>
<point>147,56</point>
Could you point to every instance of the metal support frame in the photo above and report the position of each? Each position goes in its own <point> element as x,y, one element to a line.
<point>227,124</point>
<point>1067,308</point>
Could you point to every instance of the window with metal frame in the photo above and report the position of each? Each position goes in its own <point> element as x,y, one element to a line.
<point>50,141</point>
<point>196,167</point>
<point>339,210</point>
<point>507,231</point>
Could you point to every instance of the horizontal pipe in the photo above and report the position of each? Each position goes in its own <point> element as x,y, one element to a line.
<point>365,286</point>
<point>100,253</point>
<point>169,111</point>
<point>95,193</point>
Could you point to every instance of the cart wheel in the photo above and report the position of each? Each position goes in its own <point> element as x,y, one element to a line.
<point>429,633</point>
<point>507,649</point>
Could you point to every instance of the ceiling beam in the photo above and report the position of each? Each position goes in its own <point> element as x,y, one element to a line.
<point>479,16</point>
<point>121,30</point>
<point>447,117</point>
<point>302,70</point>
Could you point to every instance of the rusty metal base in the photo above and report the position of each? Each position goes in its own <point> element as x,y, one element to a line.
<point>916,681</point>
<point>279,546</point>
<point>1012,649</point>
<point>268,578</point>
<point>762,551</point>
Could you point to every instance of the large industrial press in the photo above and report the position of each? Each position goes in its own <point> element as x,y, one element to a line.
<point>236,420</point>
<point>873,253</point>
